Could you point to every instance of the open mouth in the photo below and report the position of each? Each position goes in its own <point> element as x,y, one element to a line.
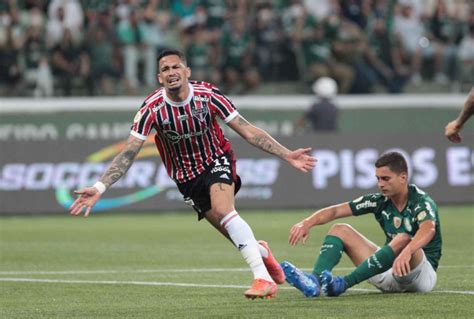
<point>173,81</point>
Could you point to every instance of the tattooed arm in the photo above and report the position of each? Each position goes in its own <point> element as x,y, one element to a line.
<point>258,137</point>
<point>120,165</point>
<point>261,139</point>
<point>122,161</point>
<point>453,128</point>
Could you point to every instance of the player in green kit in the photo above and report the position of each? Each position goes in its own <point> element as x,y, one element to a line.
<point>408,260</point>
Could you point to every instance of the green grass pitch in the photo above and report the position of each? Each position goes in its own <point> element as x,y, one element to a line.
<point>171,266</point>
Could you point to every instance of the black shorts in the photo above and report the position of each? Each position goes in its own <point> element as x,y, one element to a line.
<point>197,191</point>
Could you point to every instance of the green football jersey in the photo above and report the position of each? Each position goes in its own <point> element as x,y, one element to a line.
<point>420,207</point>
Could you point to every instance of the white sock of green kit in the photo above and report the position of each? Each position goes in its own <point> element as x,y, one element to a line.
<point>243,238</point>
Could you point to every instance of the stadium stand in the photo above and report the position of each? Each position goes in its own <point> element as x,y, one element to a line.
<point>91,47</point>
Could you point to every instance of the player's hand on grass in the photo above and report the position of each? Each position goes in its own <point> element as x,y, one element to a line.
<point>301,159</point>
<point>87,198</point>
<point>451,131</point>
<point>299,233</point>
<point>401,265</point>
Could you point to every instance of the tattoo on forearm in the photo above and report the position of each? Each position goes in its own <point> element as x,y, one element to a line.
<point>267,144</point>
<point>243,122</point>
<point>121,163</point>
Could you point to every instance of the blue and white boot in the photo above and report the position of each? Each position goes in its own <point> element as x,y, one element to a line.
<point>304,282</point>
<point>332,286</point>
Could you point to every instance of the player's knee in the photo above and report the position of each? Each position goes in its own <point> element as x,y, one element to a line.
<point>399,242</point>
<point>340,230</point>
<point>219,213</point>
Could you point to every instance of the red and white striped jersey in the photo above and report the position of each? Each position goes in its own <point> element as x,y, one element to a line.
<point>188,136</point>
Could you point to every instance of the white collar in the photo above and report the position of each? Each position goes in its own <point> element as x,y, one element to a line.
<point>186,101</point>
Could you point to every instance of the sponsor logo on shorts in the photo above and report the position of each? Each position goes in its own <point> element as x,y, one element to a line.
<point>220,169</point>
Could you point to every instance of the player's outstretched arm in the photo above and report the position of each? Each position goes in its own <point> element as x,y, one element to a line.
<point>452,129</point>
<point>300,231</point>
<point>90,195</point>
<point>299,159</point>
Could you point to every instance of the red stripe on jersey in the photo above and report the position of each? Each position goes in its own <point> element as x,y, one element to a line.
<point>229,108</point>
<point>183,155</point>
<point>188,136</point>
<point>195,142</point>
<point>160,143</point>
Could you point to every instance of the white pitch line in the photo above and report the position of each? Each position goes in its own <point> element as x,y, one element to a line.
<point>104,271</point>
<point>177,284</point>
<point>184,270</point>
<point>117,282</point>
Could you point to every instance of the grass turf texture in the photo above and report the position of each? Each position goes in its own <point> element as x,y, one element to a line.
<point>127,266</point>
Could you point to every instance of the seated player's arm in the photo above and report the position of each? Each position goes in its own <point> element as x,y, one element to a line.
<point>328,214</point>
<point>258,137</point>
<point>300,231</point>
<point>423,236</point>
<point>426,231</point>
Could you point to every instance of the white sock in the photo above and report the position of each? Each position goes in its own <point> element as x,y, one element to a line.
<point>263,251</point>
<point>243,238</point>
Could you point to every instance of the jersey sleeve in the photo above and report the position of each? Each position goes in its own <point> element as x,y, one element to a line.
<point>425,210</point>
<point>366,204</point>
<point>143,122</point>
<point>223,106</point>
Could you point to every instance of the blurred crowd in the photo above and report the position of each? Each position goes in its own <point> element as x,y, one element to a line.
<point>109,47</point>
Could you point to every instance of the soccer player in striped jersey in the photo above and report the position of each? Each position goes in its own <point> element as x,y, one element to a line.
<point>200,160</point>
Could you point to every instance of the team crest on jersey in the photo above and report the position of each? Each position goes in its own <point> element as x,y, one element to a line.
<point>397,222</point>
<point>421,216</point>
<point>200,113</point>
